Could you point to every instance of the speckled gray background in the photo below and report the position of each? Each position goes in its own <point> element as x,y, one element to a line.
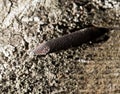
<point>87,69</point>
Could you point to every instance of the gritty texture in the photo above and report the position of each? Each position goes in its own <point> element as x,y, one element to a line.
<point>91,68</point>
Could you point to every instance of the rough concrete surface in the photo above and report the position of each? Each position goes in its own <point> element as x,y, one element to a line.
<point>92,68</point>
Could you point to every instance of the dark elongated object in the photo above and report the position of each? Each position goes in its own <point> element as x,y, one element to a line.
<point>70,40</point>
